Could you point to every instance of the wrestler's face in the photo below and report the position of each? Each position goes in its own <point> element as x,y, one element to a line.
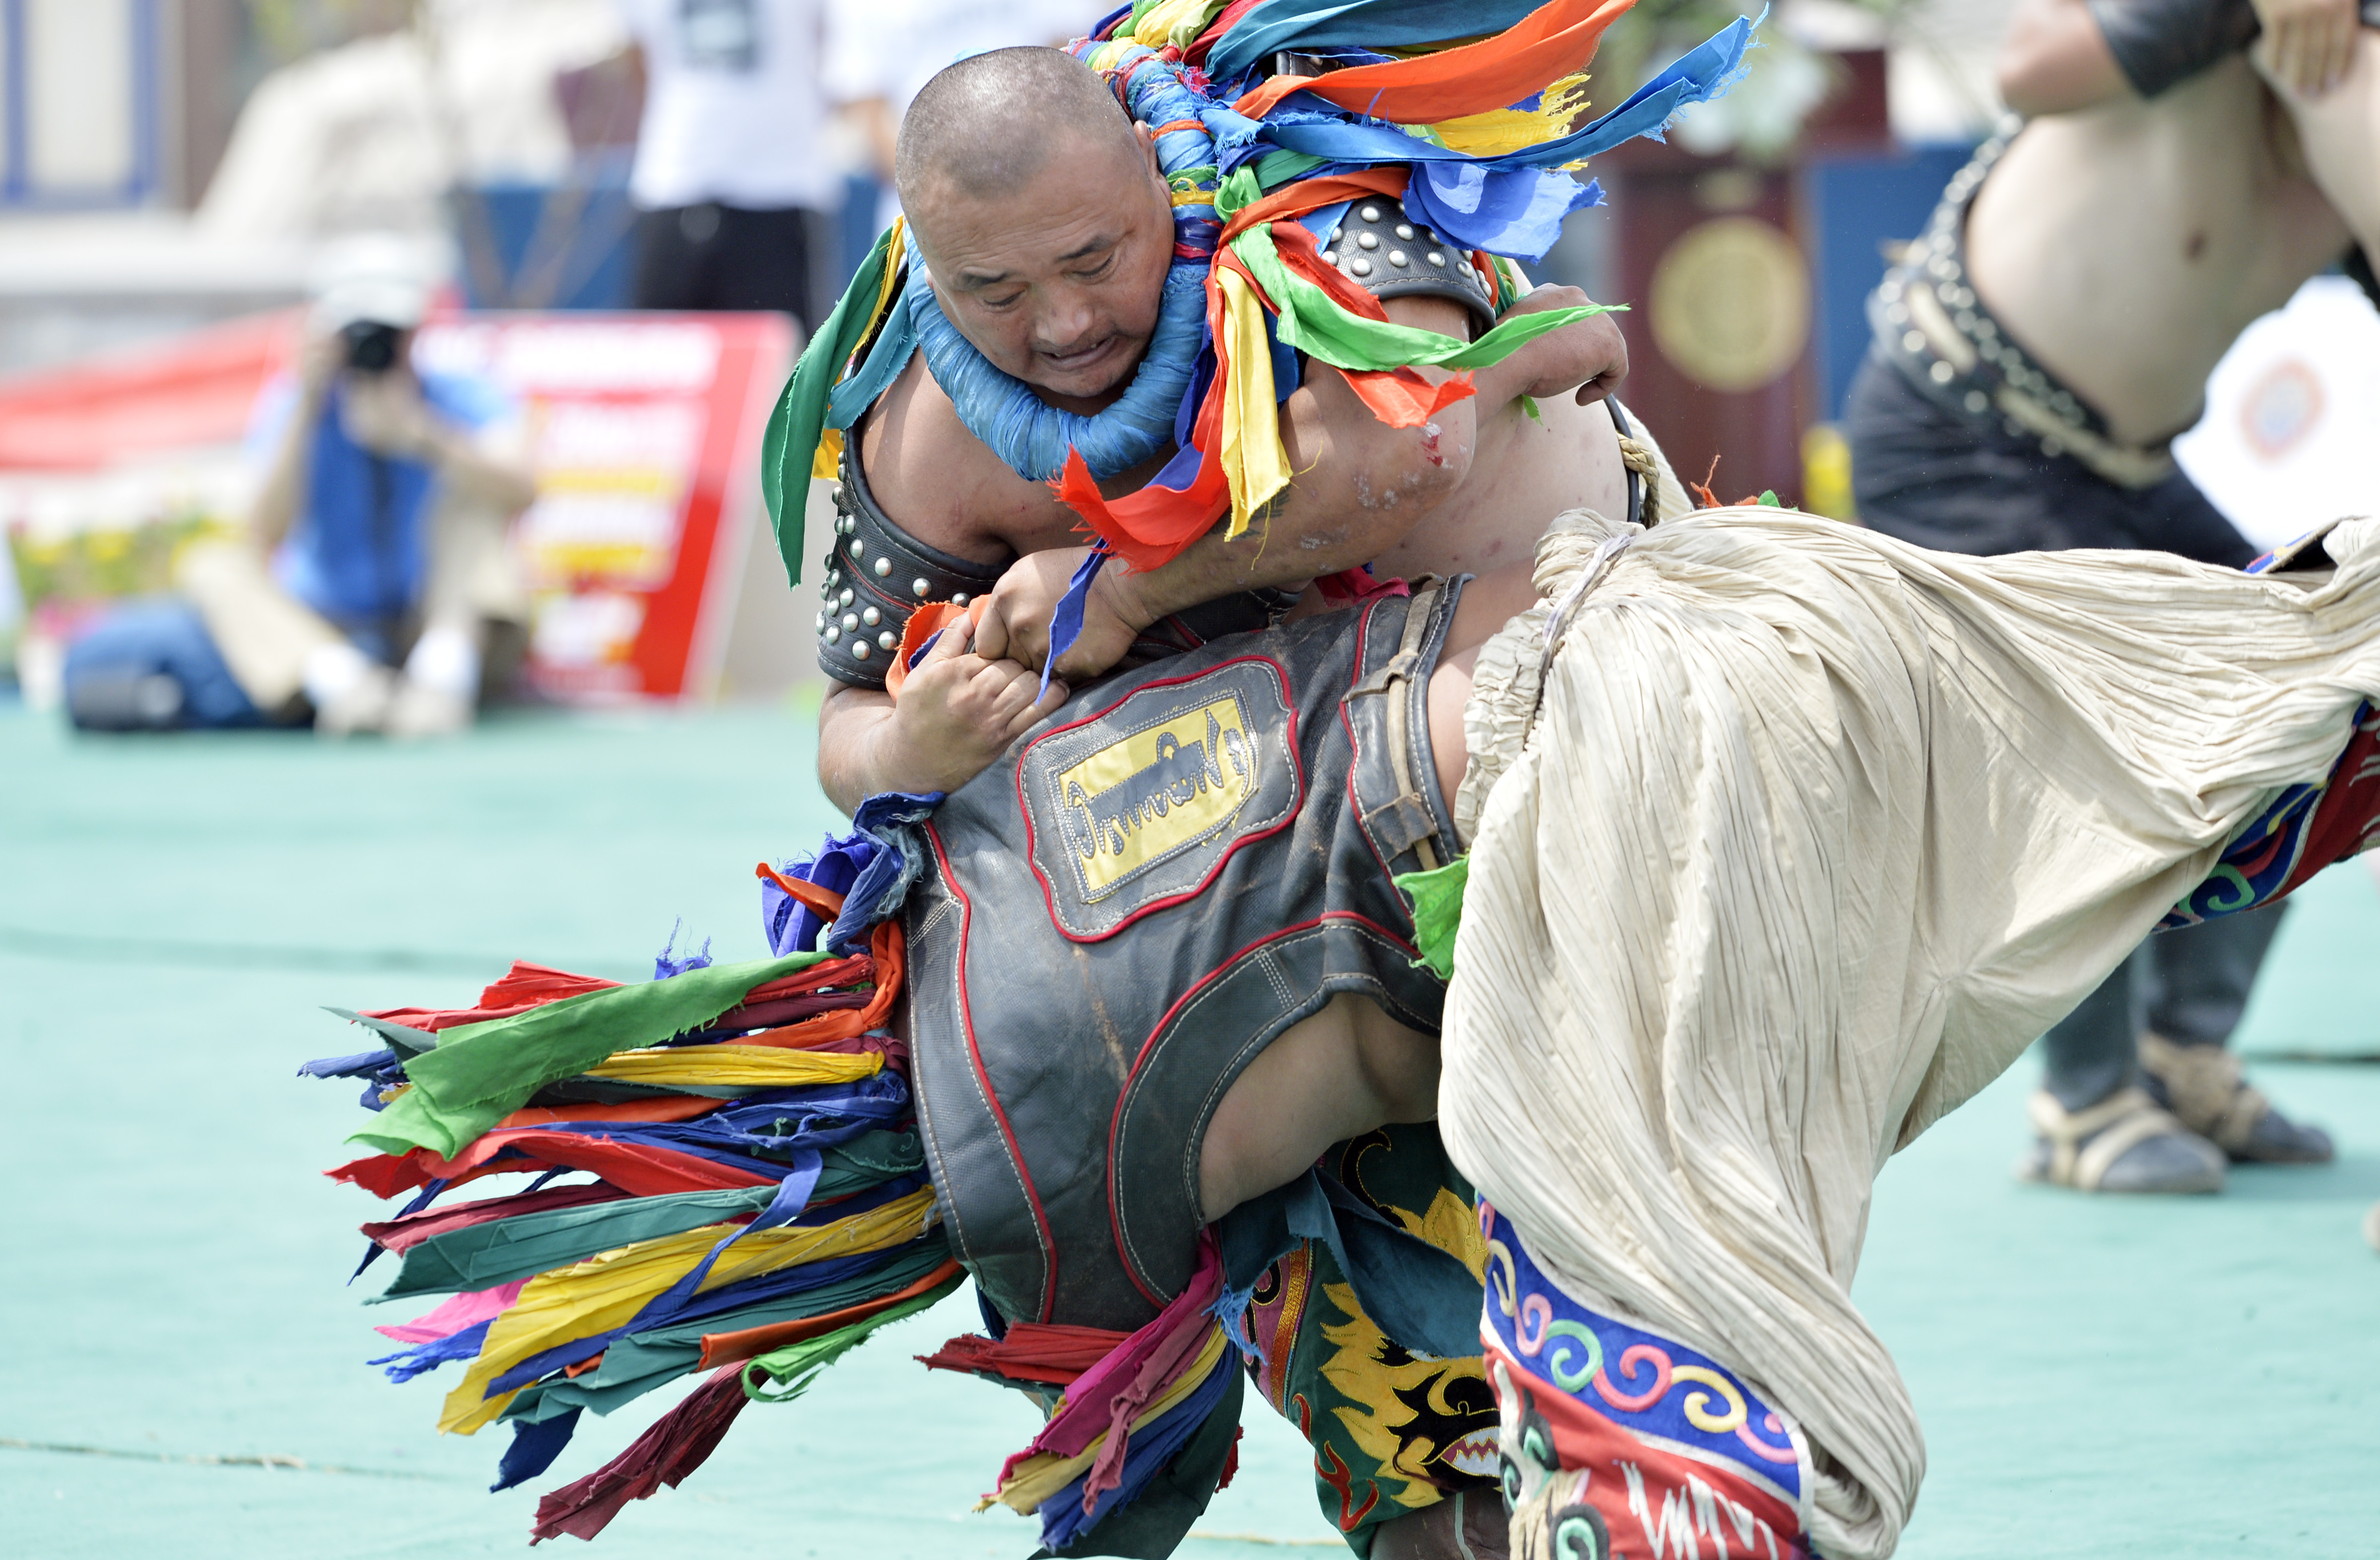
<point>1058,281</point>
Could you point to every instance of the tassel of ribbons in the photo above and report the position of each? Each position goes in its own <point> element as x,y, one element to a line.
<point>755,1201</point>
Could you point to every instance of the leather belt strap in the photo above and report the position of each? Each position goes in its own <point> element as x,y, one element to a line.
<point>1406,821</point>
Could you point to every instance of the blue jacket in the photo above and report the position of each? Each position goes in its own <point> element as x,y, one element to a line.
<point>357,550</point>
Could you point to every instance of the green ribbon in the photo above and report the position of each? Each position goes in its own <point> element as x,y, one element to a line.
<point>1437,912</point>
<point>638,1362</point>
<point>796,1367</point>
<point>791,441</point>
<point>482,1256</point>
<point>1314,323</point>
<point>482,1073</point>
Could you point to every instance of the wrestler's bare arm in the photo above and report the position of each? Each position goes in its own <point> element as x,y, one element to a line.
<point>2055,60</point>
<point>1361,489</point>
<point>950,491</point>
<point>2308,46</point>
<point>957,713</point>
<point>1361,486</point>
<point>2338,135</point>
<point>946,488</point>
<point>958,710</point>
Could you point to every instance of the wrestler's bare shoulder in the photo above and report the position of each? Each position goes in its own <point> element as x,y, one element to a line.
<point>944,486</point>
<point>1525,471</point>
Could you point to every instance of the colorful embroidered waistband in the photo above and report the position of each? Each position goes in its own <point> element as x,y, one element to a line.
<point>1619,1441</point>
<point>2305,828</point>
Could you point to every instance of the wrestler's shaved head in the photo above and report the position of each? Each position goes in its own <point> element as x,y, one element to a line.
<point>1046,228</point>
<point>988,124</point>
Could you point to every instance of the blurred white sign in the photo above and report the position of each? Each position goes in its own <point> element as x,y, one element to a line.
<point>2292,434</point>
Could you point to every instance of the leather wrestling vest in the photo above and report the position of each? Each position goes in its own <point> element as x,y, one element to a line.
<point>1183,862</point>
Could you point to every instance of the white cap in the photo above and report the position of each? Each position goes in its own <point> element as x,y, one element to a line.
<point>382,277</point>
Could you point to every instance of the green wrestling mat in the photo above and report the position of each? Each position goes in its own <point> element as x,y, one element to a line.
<point>185,1372</point>
<point>2318,994</point>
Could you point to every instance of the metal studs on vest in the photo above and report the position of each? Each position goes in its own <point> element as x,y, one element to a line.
<point>1369,246</point>
<point>865,612</point>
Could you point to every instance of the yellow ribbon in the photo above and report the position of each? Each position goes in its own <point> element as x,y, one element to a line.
<point>1177,23</point>
<point>1503,130</point>
<point>602,1293</point>
<point>1255,464</point>
<point>767,1065</point>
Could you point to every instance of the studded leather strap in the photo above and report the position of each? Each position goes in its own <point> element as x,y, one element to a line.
<point>1384,252</point>
<point>877,574</point>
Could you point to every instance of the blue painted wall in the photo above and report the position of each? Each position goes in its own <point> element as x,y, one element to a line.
<point>1853,206</point>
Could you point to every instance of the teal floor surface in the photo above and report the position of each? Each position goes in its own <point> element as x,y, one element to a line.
<point>184,1372</point>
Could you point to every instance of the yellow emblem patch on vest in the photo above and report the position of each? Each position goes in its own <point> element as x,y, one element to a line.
<point>1137,800</point>
<point>1140,803</point>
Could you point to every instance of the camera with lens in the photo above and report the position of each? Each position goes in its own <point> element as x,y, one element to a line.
<point>371,345</point>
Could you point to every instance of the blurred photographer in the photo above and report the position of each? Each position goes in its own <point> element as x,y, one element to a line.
<point>377,540</point>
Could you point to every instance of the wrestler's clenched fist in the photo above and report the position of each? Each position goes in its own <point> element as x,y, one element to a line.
<point>958,711</point>
<point>1590,356</point>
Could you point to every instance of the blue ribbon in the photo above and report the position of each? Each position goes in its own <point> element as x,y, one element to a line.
<point>1062,1519</point>
<point>408,1363</point>
<point>1030,436</point>
<point>1066,622</point>
<point>535,1445</point>
<point>1300,25</point>
<point>793,1196</point>
<point>873,867</point>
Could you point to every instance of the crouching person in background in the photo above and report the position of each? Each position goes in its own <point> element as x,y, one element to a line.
<point>373,562</point>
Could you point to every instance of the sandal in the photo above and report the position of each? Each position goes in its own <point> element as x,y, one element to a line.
<point>2204,1089</point>
<point>2123,1143</point>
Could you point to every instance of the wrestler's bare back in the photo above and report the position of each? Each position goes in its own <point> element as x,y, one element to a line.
<point>1350,1068</point>
<point>2126,245</point>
